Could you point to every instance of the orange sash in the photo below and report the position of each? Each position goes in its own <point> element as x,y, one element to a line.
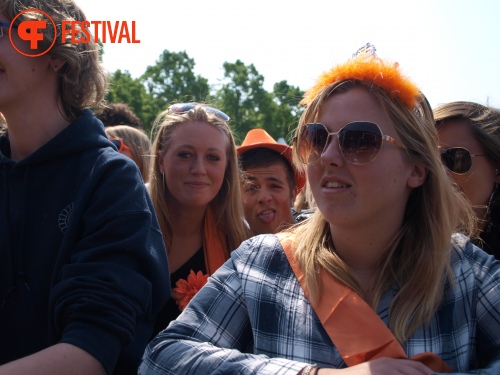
<point>215,245</point>
<point>353,326</point>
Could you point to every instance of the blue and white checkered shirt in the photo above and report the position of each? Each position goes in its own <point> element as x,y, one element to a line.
<point>252,318</point>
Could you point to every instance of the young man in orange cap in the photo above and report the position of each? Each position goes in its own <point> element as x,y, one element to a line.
<point>270,183</point>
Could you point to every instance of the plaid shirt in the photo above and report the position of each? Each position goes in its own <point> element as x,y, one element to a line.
<point>252,318</point>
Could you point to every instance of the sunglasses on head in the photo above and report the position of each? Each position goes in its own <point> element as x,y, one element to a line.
<point>185,107</point>
<point>457,159</point>
<point>359,142</point>
<point>120,145</point>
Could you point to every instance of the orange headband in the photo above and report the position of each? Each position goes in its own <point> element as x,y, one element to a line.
<point>366,66</point>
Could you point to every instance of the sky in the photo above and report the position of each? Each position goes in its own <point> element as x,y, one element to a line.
<point>449,48</point>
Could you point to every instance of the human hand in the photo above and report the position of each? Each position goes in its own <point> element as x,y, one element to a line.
<point>381,366</point>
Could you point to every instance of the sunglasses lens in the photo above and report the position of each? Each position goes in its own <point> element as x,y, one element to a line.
<point>181,107</point>
<point>312,142</point>
<point>457,160</point>
<point>218,113</point>
<point>185,107</point>
<point>360,142</point>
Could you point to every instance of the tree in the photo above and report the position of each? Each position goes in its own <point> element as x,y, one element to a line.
<point>240,94</point>
<point>125,89</point>
<point>244,99</point>
<point>288,112</point>
<point>172,79</point>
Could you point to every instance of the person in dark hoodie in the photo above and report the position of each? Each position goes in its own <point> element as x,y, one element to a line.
<point>83,266</point>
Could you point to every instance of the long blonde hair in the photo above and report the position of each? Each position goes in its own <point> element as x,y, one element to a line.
<point>227,205</point>
<point>418,259</point>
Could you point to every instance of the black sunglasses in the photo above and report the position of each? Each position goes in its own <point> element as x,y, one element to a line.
<point>457,159</point>
<point>185,107</point>
<point>359,142</point>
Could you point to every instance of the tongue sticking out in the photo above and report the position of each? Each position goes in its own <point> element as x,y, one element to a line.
<point>267,216</point>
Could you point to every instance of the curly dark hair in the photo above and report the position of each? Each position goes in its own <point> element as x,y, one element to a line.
<point>113,114</point>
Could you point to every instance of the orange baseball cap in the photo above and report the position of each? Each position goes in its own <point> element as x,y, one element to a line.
<point>259,138</point>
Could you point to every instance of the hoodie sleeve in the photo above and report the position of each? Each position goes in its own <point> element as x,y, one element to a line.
<point>113,276</point>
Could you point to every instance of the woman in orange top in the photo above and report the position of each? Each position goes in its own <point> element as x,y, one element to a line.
<point>194,185</point>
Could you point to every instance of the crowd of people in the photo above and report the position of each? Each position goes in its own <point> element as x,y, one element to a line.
<point>369,246</point>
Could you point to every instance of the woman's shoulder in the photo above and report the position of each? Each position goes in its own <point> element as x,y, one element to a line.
<point>468,258</point>
<point>465,249</point>
<point>260,242</point>
<point>258,249</point>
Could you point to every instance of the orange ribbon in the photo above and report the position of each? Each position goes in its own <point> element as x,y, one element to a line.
<point>353,326</point>
<point>214,243</point>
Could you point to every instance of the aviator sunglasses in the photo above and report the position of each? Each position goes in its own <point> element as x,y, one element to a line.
<point>457,159</point>
<point>359,142</point>
<point>185,107</point>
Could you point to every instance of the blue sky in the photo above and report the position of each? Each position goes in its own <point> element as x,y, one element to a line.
<point>450,48</point>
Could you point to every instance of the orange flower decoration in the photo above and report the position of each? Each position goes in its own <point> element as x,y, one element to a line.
<point>186,289</point>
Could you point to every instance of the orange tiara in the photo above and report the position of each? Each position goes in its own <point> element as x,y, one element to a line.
<point>366,66</point>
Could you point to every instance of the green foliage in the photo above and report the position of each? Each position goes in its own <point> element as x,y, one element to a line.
<point>243,97</point>
<point>240,94</point>
<point>250,106</point>
<point>172,79</point>
<point>125,89</point>
<point>288,113</point>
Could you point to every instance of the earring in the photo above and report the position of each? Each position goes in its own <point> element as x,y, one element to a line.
<point>164,185</point>
<point>55,68</point>
<point>497,172</point>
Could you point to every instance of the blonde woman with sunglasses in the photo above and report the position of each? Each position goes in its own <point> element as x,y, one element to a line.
<point>469,141</point>
<point>195,188</point>
<point>83,270</point>
<point>375,282</point>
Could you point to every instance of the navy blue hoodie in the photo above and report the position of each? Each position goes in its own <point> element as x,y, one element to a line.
<point>82,260</point>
